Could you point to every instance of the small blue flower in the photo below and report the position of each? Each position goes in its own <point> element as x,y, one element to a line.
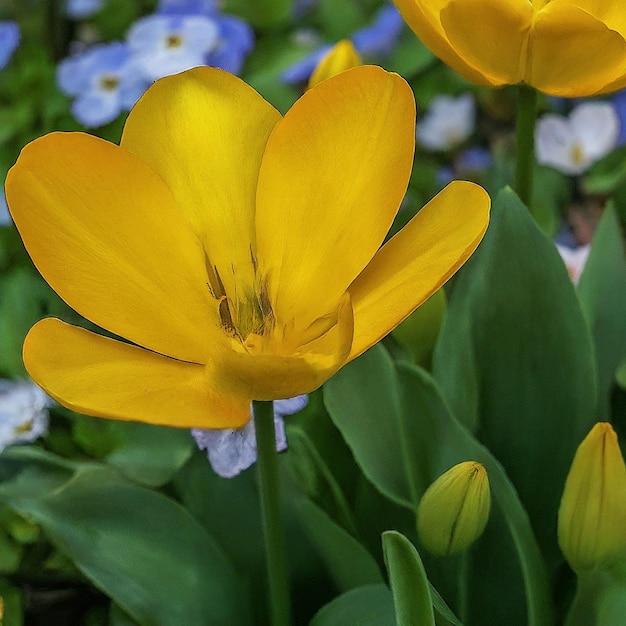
<point>208,8</point>
<point>103,82</point>
<point>235,41</point>
<point>162,45</point>
<point>5,216</point>
<point>375,40</point>
<point>619,102</point>
<point>474,159</point>
<point>80,9</point>
<point>9,40</point>
<point>230,451</point>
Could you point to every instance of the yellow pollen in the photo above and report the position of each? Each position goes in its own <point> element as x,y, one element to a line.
<point>109,82</point>
<point>577,153</point>
<point>26,427</point>
<point>173,41</point>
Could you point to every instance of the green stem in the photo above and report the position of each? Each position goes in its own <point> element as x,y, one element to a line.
<point>525,146</point>
<point>270,510</point>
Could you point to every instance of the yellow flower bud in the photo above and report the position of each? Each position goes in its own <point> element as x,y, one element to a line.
<point>454,510</point>
<point>341,57</point>
<point>592,516</point>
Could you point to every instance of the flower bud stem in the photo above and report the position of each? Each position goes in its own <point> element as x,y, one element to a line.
<point>525,142</point>
<point>270,511</point>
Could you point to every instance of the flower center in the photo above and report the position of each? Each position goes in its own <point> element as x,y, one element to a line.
<point>577,153</point>
<point>109,82</point>
<point>173,41</point>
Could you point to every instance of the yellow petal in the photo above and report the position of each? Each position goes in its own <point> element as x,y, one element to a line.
<point>204,132</point>
<point>334,173</point>
<point>341,57</point>
<point>565,57</point>
<point>288,370</point>
<point>108,237</point>
<point>497,41</point>
<point>423,17</point>
<point>106,378</point>
<point>417,261</point>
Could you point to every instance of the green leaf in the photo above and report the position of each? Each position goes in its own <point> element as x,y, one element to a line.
<point>349,563</point>
<point>605,175</point>
<point>261,13</point>
<point>409,583</point>
<point>371,605</point>
<point>389,413</point>
<point>602,293</point>
<point>139,547</point>
<point>515,360</point>
<point>147,454</point>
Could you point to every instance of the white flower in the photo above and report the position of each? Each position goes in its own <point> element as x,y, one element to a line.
<point>23,412</point>
<point>230,451</point>
<point>572,144</point>
<point>574,259</point>
<point>448,122</point>
<point>162,45</point>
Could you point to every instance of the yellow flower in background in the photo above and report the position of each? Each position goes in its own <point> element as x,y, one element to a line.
<point>454,510</point>
<point>592,516</point>
<point>237,251</point>
<point>342,56</point>
<point>561,47</point>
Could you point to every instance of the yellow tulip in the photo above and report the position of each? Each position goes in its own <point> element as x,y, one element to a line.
<point>454,510</point>
<point>561,47</point>
<point>237,251</point>
<point>592,515</point>
<point>342,56</point>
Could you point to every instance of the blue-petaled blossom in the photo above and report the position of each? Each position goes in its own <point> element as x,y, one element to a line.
<point>473,160</point>
<point>231,451</point>
<point>374,41</point>
<point>23,412</point>
<point>5,216</point>
<point>235,38</point>
<point>103,82</point>
<point>572,144</point>
<point>80,9</point>
<point>9,40</point>
<point>162,45</point>
<point>619,103</point>
<point>448,122</point>
<point>188,7</point>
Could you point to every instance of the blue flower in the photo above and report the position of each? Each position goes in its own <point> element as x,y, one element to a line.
<point>208,8</point>
<point>235,41</point>
<point>9,39</point>
<point>231,451</point>
<point>619,102</point>
<point>375,40</point>
<point>80,9</point>
<point>103,82</point>
<point>5,216</point>
<point>473,160</point>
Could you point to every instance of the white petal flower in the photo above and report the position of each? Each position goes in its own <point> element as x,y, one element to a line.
<point>23,412</point>
<point>230,451</point>
<point>447,123</point>
<point>574,259</point>
<point>573,144</point>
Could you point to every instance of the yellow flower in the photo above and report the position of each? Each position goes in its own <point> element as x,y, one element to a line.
<point>342,56</point>
<point>454,510</point>
<point>236,250</point>
<point>552,45</point>
<point>592,516</point>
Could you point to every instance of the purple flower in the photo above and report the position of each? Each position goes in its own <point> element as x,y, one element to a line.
<point>103,82</point>
<point>9,40</point>
<point>208,8</point>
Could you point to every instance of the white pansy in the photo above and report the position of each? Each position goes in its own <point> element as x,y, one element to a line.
<point>574,259</point>
<point>230,451</point>
<point>448,122</point>
<point>573,144</point>
<point>23,412</point>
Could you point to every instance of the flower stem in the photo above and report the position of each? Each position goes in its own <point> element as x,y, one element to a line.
<point>525,146</point>
<point>270,510</point>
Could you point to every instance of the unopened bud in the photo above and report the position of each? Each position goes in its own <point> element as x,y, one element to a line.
<point>341,57</point>
<point>592,516</point>
<point>454,510</point>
